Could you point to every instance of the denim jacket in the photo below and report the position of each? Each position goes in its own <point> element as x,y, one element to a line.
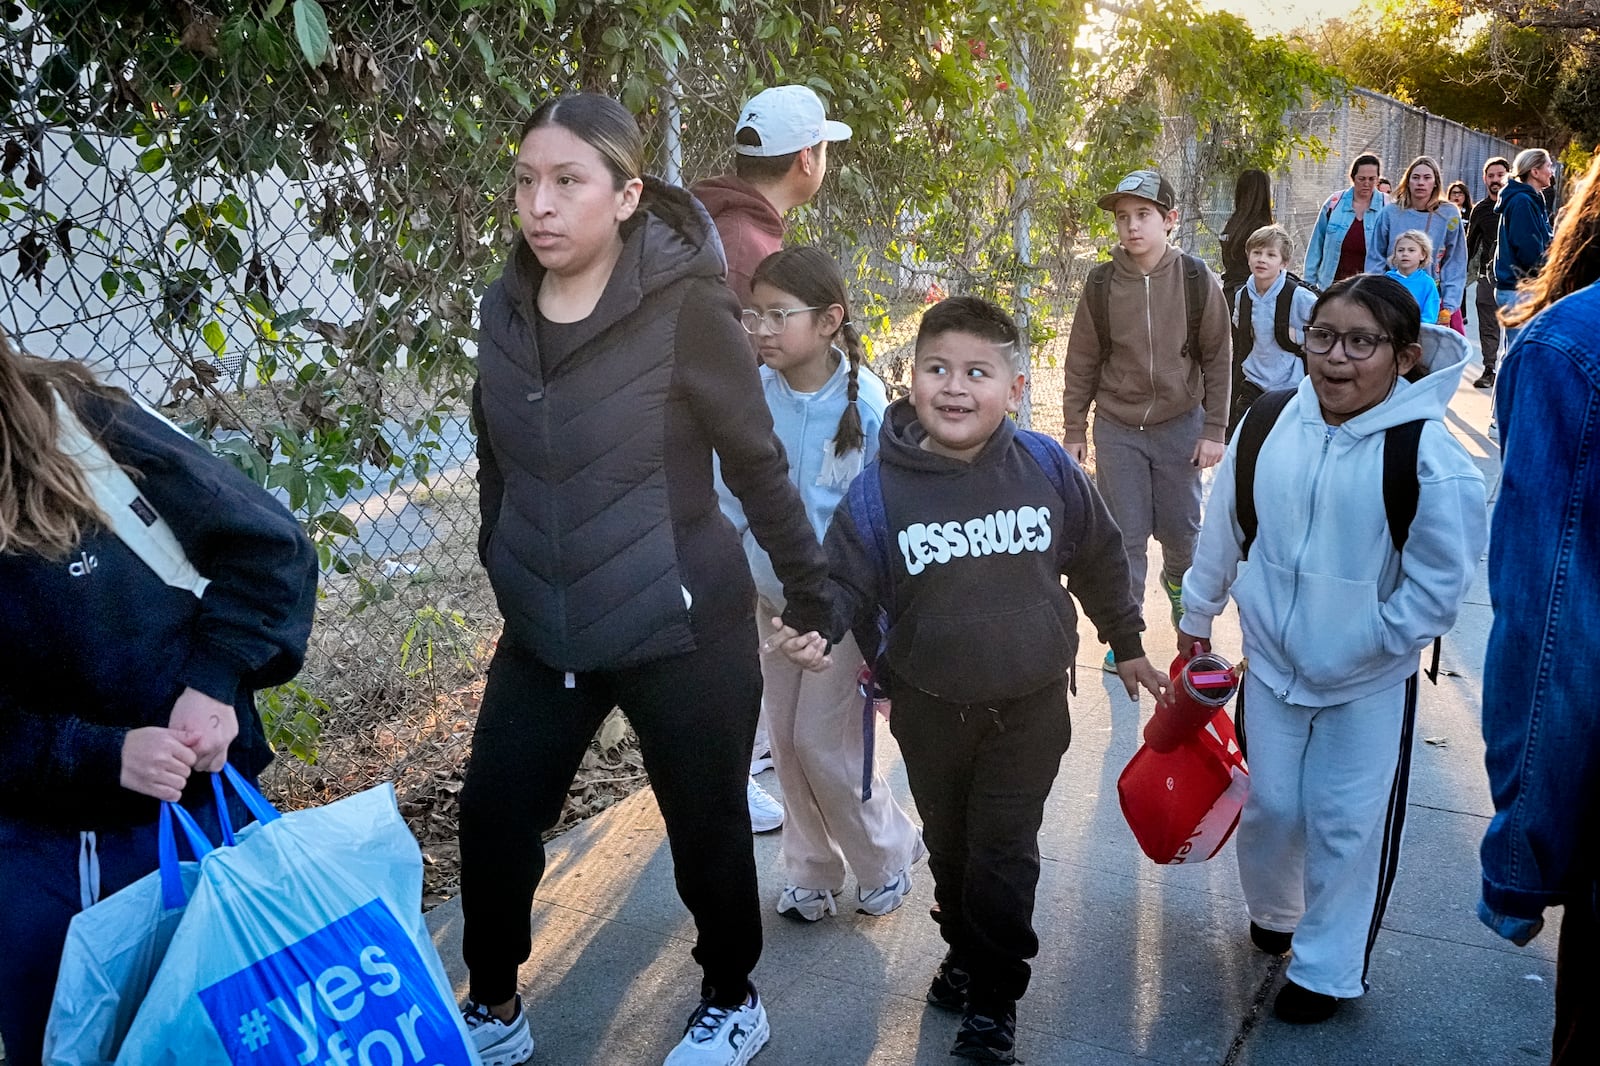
<point>1333,222</point>
<point>1541,718</point>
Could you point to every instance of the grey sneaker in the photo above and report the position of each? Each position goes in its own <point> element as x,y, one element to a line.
<point>498,1043</point>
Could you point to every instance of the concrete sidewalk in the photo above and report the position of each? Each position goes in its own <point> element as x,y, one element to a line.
<point>1139,963</point>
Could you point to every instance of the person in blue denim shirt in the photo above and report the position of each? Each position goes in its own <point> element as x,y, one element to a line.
<point>1338,246</point>
<point>1541,720</point>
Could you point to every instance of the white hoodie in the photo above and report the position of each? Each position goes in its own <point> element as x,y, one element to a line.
<point>1330,612</point>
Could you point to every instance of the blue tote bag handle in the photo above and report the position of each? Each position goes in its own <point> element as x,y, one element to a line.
<point>172,893</point>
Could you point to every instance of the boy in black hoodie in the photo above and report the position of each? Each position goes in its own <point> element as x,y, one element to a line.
<point>960,533</point>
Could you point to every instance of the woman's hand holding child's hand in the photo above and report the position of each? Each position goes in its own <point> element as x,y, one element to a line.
<point>1137,672</point>
<point>156,762</point>
<point>809,650</point>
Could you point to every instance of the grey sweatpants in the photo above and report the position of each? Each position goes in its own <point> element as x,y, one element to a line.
<point>1152,488</point>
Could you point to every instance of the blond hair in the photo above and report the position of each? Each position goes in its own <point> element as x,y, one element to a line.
<point>1402,196</point>
<point>1271,235</point>
<point>1528,160</point>
<point>45,503</point>
<point>1418,238</point>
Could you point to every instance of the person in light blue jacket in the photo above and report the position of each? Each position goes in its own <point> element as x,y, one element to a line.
<point>1420,205</point>
<point>826,409</point>
<point>1338,247</point>
<point>1334,619</point>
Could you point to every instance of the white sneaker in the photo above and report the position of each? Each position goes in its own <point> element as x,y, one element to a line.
<point>722,1036</point>
<point>766,813</point>
<point>880,901</point>
<point>806,904</point>
<point>761,763</point>
<point>498,1043</point>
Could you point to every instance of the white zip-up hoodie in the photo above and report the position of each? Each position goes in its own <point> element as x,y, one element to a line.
<point>1330,612</point>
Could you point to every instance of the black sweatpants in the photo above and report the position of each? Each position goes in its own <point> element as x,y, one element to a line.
<point>1484,307</point>
<point>1577,1033</point>
<point>695,716</point>
<point>980,774</point>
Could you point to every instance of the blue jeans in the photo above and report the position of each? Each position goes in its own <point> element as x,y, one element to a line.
<point>1505,299</point>
<point>40,890</point>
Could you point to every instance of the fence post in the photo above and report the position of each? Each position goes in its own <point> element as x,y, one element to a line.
<point>1022,241</point>
<point>672,136</point>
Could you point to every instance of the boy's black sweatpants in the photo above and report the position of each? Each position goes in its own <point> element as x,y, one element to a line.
<point>695,716</point>
<point>980,774</point>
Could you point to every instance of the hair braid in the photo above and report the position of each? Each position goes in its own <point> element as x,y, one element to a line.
<point>850,436</point>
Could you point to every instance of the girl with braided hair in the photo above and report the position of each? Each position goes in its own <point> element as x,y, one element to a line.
<point>827,408</point>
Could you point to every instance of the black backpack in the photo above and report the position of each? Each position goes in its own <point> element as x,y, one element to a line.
<point>1244,334</point>
<point>1400,487</point>
<point>1097,297</point>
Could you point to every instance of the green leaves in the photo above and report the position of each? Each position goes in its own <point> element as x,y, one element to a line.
<point>311,32</point>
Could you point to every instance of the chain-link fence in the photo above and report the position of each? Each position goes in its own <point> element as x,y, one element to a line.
<point>289,264</point>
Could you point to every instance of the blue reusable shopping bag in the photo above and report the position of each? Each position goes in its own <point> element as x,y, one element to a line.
<point>114,948</point>
<point>303,944</point>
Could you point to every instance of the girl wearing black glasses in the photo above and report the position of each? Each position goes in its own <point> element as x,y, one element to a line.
<point>1334,619</point>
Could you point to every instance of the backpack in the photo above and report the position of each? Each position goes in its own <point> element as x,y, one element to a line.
<point>1400,486</point>
<point>1097,297</point>
<point>1244,332</point>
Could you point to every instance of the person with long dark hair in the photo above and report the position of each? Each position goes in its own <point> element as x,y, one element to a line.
<point>147,589</point>
<point>611,363</point>
<point>1544,558</point>
<point>1252,209</point>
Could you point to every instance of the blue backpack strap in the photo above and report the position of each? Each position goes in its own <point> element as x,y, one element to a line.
<point>1049,454</point>
<point>865,501</point>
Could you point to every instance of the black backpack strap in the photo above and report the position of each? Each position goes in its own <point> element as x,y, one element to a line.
<point>1252,435</point>
<point>1280,318</point>
<point>1244,329</point>
<point>1194,299</point>
<point>1400,492</point>
<point>1097,296</point>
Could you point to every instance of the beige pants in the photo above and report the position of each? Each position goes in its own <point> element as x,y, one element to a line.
<point>815,724</point>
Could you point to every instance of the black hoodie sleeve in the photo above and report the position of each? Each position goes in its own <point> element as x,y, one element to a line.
<point>724,390</point>
<point>255,616</point>
<point>1097,570</point>
<point>45,756</point>
<point>491,482</point>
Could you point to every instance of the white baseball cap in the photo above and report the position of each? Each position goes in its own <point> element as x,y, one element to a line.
<point>787,118</point>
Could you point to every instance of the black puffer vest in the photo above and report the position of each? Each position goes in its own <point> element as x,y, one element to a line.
<point>606,548</point>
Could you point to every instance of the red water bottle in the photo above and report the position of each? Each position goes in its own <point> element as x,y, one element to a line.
<point>1201,684</point>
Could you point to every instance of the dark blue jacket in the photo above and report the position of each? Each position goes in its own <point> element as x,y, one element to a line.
<point>1541,718</point>
<point>97,645</point>
<point>1523,234</point>
<point>975,556</point>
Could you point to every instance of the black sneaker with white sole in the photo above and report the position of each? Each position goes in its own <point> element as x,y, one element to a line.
<point>499,1043</point>
<point>988,1034</point>
<point>951,985</point>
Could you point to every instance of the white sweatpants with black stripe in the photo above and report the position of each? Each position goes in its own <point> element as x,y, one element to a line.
<point>1319,839</point>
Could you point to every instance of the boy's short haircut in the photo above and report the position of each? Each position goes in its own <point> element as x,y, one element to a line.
<point>760,168</point>
<point>1418,238</point>
<point>1269,236</point>
<point>976,316</point>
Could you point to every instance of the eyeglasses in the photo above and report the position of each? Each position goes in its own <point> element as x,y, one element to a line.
<point>1358,345</point>
<point>775,320</point>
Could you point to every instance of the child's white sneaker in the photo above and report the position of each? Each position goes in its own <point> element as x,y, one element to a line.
<point>722,1036</point>
<point>880,901</point>
<point>766,813</point>
<point>806,904</point>
<point>498,1043</point>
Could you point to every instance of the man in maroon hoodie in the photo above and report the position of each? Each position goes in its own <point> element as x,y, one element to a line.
<point>781,154</point>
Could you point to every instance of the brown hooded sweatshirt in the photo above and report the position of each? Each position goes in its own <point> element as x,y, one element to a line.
<point>1147,380</point>
<point>750,227</point>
